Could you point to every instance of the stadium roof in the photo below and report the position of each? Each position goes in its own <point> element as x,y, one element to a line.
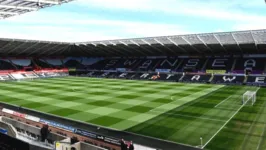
<point>9,8</point>
<point>17,47</point>
<point>239,42</point>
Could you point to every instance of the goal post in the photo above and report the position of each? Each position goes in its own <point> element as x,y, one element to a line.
<point>249,97</point>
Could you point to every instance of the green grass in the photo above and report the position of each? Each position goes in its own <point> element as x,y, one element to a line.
<point>176,112</point>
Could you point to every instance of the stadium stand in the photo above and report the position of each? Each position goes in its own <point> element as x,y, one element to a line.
<point>168,64</point>
<point>21,62</point>
<point>200,78</point>
<point>127,75</point>
<point>256,80</point>
<point>5,64</point>
<point>41,63</point>
<point>225,64</point>
<point>71,62</point>
<point>55,62</point>
<point>215,58</point>
<point>251,65</point>
<point>228,79</point>
<point>191,65</point>
<point>147,68</point>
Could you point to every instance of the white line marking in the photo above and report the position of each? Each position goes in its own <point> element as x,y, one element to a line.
<point>188,116</point>
<point>222,126</point>
<point>251,127</point>
<point>262,131</point>
<point>261,137</point>
<point>214,88</point>
<point>257,89</point>
<point>223,100</point>
<point>227,108</point>
<point>225,123</point>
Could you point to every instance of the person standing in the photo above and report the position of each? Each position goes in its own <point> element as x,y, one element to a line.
<point>44,132</point>
<point>131,146</point>
<point>122,144</point>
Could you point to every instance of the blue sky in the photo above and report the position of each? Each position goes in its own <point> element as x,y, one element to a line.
<point>92,20</point>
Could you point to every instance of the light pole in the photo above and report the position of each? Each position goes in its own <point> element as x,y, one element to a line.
<point>201,142</point>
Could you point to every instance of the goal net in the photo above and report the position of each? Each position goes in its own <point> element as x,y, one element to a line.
<point>249,97</point>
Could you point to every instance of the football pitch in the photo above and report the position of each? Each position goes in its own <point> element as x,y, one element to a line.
<point>177,112</point>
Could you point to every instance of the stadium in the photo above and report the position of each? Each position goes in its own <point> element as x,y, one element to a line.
<point>187,92</point>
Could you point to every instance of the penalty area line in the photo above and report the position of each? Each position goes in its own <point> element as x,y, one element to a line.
<point>223,126</point>
<point>204,118</point>
<point>223,101</point>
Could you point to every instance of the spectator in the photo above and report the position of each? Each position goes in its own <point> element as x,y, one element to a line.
<point>123,144</point>
<point>44,132</point>
<point>131,146</point>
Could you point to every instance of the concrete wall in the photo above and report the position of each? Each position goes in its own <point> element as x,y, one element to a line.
<point>10,130</point>
<point>85,146</point>
<point>142,140</point>
<point>32,129</point>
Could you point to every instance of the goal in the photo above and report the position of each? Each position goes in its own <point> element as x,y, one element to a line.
<point>249,97</point>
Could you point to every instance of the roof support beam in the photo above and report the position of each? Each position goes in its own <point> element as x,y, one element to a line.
<point>176,45</point>
<point>97,49</point>
<point>160,51</point>
<point>204,43</point>
<point>145,47</point>
<point>50,48</point>
<point>6,45</point>
<point>87,50</point>
<point>30,47</point>
<point>15,48</point>
<point>115,51</point>
<point>90,50</point>
<point>59,50</point>
<point>256,44</point>
<point>237,42</point>
<point>134,42</point>
<point>32,52</point>
<point>44,1</point>
<point>133,48</point>
<point>100,50</point>
<point>191,45</point>
<point>141,47</point>
<point>220,42</point>
<point>8,13</point>
<point>109,50</point>
<point>122,48</point>
<point>18,7</point>
<point>165,46</point>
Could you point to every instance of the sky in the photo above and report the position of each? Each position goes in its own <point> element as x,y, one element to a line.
<point>94,20</point>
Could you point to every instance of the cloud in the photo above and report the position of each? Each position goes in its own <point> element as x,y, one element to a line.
<point>53,34</point>
<point>63,25</point>
<point>118,4</point>
<point>212,9</point>
<point>79,28</point>
<point>249,26</point>
<point>69,30</point>
<point>239,14</point>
